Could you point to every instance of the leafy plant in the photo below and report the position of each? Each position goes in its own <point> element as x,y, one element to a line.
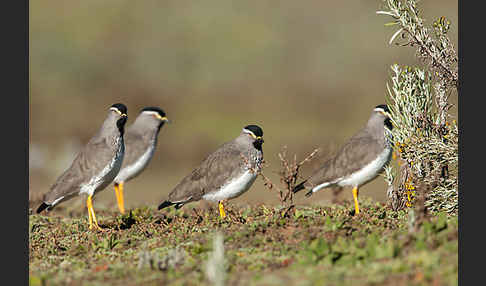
<point>426,139</point>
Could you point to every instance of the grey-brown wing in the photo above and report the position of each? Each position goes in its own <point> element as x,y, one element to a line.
<point>358,151</point>
<point>89,162</point>
<point>135,147</point>
<point>213,173</point>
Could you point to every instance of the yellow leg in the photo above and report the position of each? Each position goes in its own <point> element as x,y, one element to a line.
<point>88,204</point>
<point>92,216</point>
<point>117,194</point>
<point>222,214</point>
<point>355,196</point>
<point>119,197</point>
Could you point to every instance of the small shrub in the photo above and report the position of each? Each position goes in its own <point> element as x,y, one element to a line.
<point>425,138</point>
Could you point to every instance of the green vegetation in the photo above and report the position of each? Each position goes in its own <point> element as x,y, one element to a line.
<point>425,133</point>
<point>262,246</point>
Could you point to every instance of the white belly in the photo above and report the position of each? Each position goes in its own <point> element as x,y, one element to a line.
<point>233,189</point>
<point>369,172</point>
<point>131,171</point>
<point>323,185</point>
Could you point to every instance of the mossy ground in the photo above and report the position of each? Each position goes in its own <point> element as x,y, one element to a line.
<point>304,245</point>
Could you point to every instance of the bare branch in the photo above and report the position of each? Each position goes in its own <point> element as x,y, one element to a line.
<point>289,173</point>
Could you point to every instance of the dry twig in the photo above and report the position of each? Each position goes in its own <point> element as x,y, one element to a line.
<point>289,174</point>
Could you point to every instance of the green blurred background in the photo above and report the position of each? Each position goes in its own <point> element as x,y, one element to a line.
<point>308,72</point>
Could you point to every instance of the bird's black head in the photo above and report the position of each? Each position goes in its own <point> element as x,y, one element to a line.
<point>383,109</point>
<point>158,113</point>
<point>255,129</point>
<point>256,133</point>
<point>121,109</point>
<point>156,109</point>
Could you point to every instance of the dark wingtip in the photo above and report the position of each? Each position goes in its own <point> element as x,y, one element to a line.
<point>164,205</point>
<point>309,193</point>
<point>42,207</point>
<point>299,187</point>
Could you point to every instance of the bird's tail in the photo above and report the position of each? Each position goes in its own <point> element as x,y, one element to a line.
<point>42,207</point>
<point>165,204</point>
<point>299,187</point>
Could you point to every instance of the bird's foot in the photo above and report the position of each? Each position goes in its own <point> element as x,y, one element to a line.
<point>222,213</point>
<point>95,226</point>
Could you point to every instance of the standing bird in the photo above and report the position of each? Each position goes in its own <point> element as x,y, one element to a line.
<point>359,161</point>
<point>140,142</point>
<point>95,166</point>
<point>225,174</point>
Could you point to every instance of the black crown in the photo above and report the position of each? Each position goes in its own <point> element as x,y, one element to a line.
<point>121,107</point>
<point>255,129</point>
<point>384,107</point>
<point>155,109</point>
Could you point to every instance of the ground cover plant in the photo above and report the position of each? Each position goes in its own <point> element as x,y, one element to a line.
<point>308,245</point>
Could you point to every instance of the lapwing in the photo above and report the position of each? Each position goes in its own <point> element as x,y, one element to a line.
<point>140,142</point>
<point>95,166</point>
<point>359,160</point>
<point>225,174</point>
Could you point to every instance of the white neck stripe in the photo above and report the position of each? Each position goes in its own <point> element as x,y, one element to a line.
<point>379,109</point>
<point>150,112</point>
<point>248,131</point>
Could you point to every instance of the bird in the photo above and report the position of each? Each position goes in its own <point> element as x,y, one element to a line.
<point>360,160</point>
<point>225,174</point>
<point>140,142</point>
<point>94,167</point>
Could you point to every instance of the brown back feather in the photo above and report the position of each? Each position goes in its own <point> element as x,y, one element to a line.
<point>213,173</point>
<point>358,151</point>
<point>84,167</point>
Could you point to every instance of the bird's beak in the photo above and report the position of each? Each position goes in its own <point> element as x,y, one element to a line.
<point>162,118</point>
<point>165,119</point>
<point>386,114</point>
